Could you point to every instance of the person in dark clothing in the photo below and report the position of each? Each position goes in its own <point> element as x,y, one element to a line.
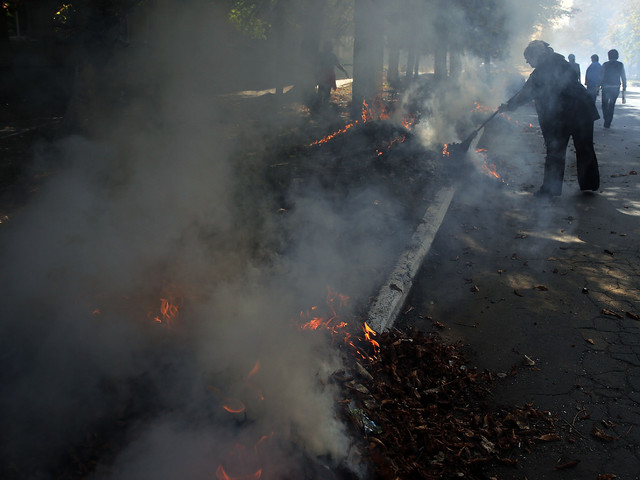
<point>564,110</point>
<point>574,65</point>
<point>611,77</point>
<point>592,76</point>
<point>325,73</point>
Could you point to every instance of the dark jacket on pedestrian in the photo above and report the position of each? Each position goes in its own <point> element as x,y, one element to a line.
<point>592,78</point>
<point>559,96</point>
<point>613,74</point>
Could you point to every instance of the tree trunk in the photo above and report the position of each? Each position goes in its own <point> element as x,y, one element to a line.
<point>393,74</point>
<point>411,60</point>
<point>368,53</point>
<point>312,27</point>
<point>455,64</point>
<point>440,63</point>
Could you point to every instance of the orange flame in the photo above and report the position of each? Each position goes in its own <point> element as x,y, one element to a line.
<point>335,302</point>
<point>368,334</point>
<point>445,150</point>
<point>168,312</point>
<point>313,320</point>
<point>489,169</point>
<point>377,111</point>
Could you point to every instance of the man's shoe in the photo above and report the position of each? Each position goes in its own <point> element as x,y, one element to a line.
<point>543,192</point>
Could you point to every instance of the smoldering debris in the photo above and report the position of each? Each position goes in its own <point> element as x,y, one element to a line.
<point>422,412</point>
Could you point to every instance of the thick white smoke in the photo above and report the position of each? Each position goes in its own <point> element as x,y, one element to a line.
<point>147,211</point>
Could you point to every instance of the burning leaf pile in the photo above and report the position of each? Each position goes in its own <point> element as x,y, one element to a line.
<point>423,413</point>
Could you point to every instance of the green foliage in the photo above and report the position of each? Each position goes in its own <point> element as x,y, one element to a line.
<point>250,17</point>
<point>66,20</point>
<point>625,34</point>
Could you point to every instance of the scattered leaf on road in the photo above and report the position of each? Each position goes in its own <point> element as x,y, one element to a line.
<point>570,464</point>
<point>606,311</point>
<point>590,340</point>
<point>600,435</point>
<point>542,288</point>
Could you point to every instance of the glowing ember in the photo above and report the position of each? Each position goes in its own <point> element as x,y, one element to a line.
<point>222,475</point>
<point>378,111</point>
<point>481,108</point>
<point>313,320</point>
<point>445,150</point>
<point>409,122</point>
<point>245,461</point>
<point>489,169</point>
<point>234,405</point>
<point>241,460</point>
<point>335,302</point>
<point>369,333</point>
<point>333,135</point>
<point>168,312</point>
<point>367,114</point>
<point>254,370</point>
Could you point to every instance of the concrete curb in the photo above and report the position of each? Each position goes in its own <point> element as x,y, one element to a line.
<point>394,292</point>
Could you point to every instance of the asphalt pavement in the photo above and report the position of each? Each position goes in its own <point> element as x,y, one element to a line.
<point>545,293</point>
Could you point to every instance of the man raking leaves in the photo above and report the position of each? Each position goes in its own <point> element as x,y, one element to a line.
<point>565,110</point>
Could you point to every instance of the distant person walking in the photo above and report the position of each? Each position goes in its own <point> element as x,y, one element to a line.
<point>611,77</point>
<point>592,76</point>
<point>325,73</point>
<point>574,65</point>
<point>564,110</point>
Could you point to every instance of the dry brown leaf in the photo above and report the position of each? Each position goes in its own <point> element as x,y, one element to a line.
<point>635,316</point>
<point>542,288</point>
<point>600,435</point>
<point>570,464</point>
<point>590,340</point>
<point>549,437</point>
<point>606,311</point>
<point>607,476</point>
<point>518,293</point>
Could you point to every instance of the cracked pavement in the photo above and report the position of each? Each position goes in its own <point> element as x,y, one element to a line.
<point>545,293</point>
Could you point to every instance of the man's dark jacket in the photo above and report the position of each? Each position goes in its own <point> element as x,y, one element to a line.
<point>559,97</point>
